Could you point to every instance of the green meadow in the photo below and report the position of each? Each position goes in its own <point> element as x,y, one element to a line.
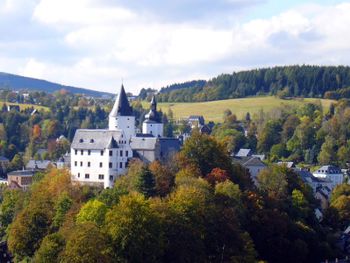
<point>213,110</point>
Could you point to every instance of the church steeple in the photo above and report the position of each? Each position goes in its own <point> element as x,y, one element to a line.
<point>121,116</point>
<point>121,106</point>
<point>153,123</point>
<point>153,115</point>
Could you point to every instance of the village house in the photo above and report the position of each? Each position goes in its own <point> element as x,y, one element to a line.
<point>20,179</point>
<point>332,173</point>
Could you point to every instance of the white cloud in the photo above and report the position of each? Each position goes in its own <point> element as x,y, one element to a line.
<point>80,12</point>
<point>34,68</point>
<point>101,44</point>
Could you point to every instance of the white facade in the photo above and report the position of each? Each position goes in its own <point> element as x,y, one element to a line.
<point>154,128</point>
<point>153,124</point>
<point>331,173</point>
<point>124,123</point>
<point>99,166</point>
<point>99,156</point>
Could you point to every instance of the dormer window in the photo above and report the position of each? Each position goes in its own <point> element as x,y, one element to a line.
<point>81,140</point>
<point>92,141</point>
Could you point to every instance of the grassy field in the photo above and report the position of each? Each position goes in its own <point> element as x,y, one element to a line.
<point>25,106</point>
<point>213,110</point>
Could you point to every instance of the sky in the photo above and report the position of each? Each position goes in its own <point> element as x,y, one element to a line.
<point>98,44</point>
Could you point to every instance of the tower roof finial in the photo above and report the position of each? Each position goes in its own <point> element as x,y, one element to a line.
<point>121,106</point>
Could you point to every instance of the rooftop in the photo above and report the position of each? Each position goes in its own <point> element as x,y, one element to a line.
<point>121,106</point>
<point>85,139</point>
<point>21,173</point>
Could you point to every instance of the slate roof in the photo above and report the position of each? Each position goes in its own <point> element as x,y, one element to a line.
<point>21,173</point>
<point>121,106</point>
<point>244,152</point>
<point>287,164</point>
<point>3,159</point>
<point>34,164</point>
<point>85,139</point>
<point>249,161</point>
<point>309,177</point>
<point>168,145</point>
<point>328,169</point>
<point>143,143</point>
<point>150,143</point>
<point>198,118</point>
<point>260,156</point>
<point>144,135</point>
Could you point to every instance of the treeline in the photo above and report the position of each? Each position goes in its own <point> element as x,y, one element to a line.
<point>287,81</point>
<point>197,208</point>
<point>303,134</point>
<point>46,133</point>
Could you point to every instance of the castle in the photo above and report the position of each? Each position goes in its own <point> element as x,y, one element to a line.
<point>99,156</point>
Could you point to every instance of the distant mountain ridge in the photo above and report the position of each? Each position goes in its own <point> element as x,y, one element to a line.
<point>332,82</point>
<point>17,82</point>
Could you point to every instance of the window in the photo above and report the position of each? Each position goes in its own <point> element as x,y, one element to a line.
<point>82,152</point>
<point>121,153</point>
<point>75,163</point>
<point>78,175</point>
<point>111,177</point>
<point>126,153</point>
<point>81,163</point>
<point>101,176</point>
<point>100,165</point>
<point>81,140</point>
<point>89,152</point>
<point>87,176</point>
<point>89,164</point>
<point>110,153</point>
<point>76,152</point>
<point>92,141</point>
<point>120,165</point>
<point>102,153</point>
<point>110,165</point>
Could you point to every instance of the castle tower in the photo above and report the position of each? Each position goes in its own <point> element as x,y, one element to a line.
<point>121,116</point>
<point>153,124</point>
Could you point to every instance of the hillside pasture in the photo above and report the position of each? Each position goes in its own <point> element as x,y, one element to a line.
<point>213,110</point>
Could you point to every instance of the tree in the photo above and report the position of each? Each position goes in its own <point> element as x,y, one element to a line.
<point>272,182</point>
<point>36,132</point>
<point>327,154</point>
<point>164,178</point>
<point>339,190</point>
<point>27,231</point>
<point>342,205</point>
<point>135,230</point>
<point>11,204</point>
<point>63,204</point>
<point>86,243</point>
<point>93,211</point>
<point>17,163</point>
<point>217,175</point>
<point>145,182</point>
<point>50,249</point>
<point>269,136</point>
<point>206,153</point>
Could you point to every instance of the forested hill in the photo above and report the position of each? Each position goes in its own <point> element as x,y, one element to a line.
<point>288,81</point>
<point>16,82</point>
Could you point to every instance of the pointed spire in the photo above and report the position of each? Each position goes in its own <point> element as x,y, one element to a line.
<point>121,106</point>
<point>153,115</point>
<point>154,103</point>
